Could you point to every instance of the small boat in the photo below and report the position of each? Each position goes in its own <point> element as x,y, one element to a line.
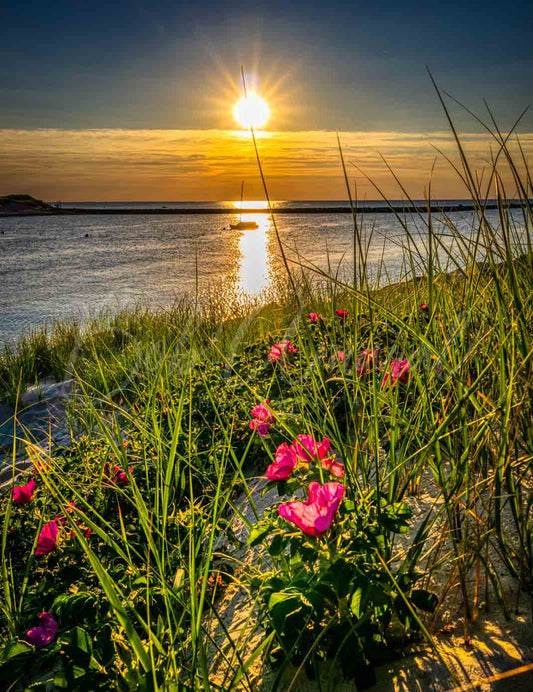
<point>243,225</point>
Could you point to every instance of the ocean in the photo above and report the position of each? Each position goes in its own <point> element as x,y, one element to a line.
<point>61,267</point>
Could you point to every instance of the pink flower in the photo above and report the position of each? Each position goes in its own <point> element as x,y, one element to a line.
<point>307,449</point>
<point>398,370</point>
<point>262,418</point>
<point>314,317</point>
<point>278,350</point>
<point>23,493</point>
<point>121,477</point>
<point>367,360</point>
<point>44,633</point>
<point>337,469</point>
<point>284,463</point>
<point>333,467</point>
<point>424,307</point>
<point>316,515</point>
<point>340,355</point>
<point>47,538</point>
<point>342,314</point>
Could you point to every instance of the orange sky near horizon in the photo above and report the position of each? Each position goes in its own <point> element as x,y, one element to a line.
<point>208,165</point>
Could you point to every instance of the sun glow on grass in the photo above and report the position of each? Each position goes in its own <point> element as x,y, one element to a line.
<point>251,111</point>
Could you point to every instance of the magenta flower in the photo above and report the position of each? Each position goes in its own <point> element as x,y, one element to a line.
<point>47,538</point>
<point>307,449</point>
<point>280,349</point>
<point>398,371</point>
<point>22,494</point>
<point>367,360</point>
<point>262,418</point>
<point>121,477</point>
<point>424,307</point>
<point>342,314</point>
<point>316,515</point>
<point>44,633</point>
<point>285,461</point>
<point>340,356</point>
<point>314,317</point>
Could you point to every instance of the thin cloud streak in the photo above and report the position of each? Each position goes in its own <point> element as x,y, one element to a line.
<point>115,164</point>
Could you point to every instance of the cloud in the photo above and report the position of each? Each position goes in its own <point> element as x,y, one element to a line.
<point>115,164</point>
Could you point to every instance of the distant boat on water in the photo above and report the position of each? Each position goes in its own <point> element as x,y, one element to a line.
<point>243,225</point>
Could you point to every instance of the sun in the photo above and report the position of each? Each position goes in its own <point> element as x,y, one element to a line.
<point>252,111</point>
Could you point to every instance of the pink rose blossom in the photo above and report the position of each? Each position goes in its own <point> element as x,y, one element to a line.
<point>398,371</point>
<point>47,538</point>
<point>121,477</point>
<point>284,463</point>
<point>277,351</point>
<point>22,494</point>
<point>342,314</point>
<point>333,467</point>
<point>314,317</point>
<point>43,634</point>
<point>262,418</point>
<point>307,449</point>
<point>316,515</point>
<point>337,469</point>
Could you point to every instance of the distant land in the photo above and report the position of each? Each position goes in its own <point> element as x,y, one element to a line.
<point>26,205</point>
<point>23,204</point>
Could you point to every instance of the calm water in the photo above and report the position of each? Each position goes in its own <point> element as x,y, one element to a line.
<point>50,271</point>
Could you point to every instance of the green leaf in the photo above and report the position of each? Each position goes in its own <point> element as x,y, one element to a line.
<point>80,639</point>
<point>259,532</point>
<point>355,602</point>
<point>277,545</point>
<point>75,607</point>
<point>395,517</point>
<point>15,649</point>
<point>425,600</point>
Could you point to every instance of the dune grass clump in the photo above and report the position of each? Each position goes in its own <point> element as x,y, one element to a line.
<point>353,406</point>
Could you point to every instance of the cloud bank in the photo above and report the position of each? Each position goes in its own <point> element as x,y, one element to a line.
<point>203,165</point>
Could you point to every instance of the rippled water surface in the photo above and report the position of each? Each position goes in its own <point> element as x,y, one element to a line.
<point>49,270</point>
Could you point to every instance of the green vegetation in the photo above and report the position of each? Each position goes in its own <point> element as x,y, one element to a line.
<point>164,469</point>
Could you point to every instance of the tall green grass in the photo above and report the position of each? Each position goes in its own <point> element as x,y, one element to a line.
<point>178,386</point>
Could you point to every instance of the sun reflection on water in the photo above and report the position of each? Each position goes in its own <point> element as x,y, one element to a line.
<point>250,204</point>
<point>254,267</point>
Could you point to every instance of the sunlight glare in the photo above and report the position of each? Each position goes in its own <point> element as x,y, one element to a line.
<point>250,204</point>
<point>252,111</point>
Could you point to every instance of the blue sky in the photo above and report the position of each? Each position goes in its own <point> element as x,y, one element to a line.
<point>346,65</point>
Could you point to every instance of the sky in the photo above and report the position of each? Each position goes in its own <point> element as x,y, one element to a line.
<point>134,100</point>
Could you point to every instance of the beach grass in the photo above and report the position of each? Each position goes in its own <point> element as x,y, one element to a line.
<point>437,460</point>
